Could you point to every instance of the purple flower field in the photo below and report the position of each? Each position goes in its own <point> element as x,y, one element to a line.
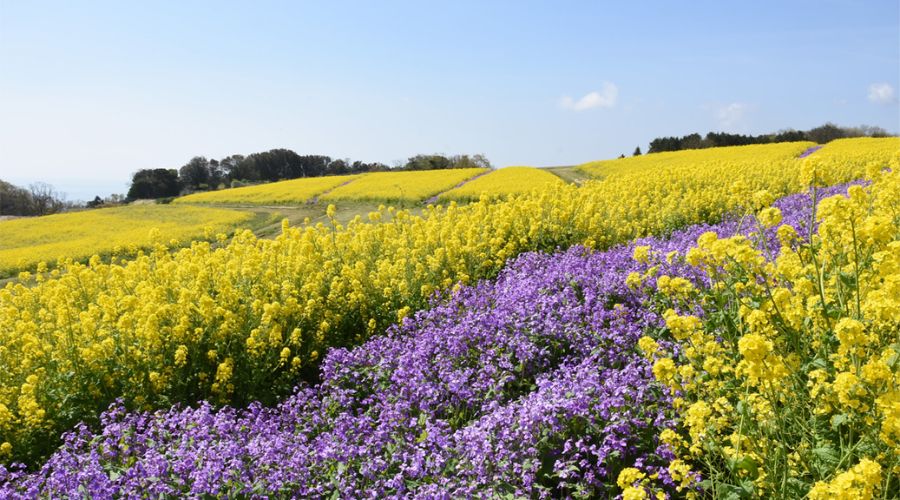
<point>527,385</point>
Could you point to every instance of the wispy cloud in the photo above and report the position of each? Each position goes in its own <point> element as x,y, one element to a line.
<point>606,97</point>
<point>731,114</point>
<point>881,93</point>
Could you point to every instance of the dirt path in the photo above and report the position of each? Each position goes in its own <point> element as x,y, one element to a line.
<point>570,174</point>
<point>434,199</point>
<point>315,199</point>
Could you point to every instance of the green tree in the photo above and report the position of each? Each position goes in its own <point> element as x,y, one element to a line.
<point>154,183</point>
<point>195,173</point>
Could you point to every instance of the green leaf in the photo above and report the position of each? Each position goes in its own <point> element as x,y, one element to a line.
<point>796,488</point>
<point>747,488</point>
<point>746,464</point>
<point>839,420</point>
<point>827,454</point>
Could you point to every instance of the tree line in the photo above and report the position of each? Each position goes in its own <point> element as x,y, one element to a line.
<point>821,135</point>
<point>41,198</point>
<point>38,199</point>
<point>202,174</point>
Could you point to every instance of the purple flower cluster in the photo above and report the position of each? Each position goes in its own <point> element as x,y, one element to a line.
<point>810,151</point>
<point>526,385</point>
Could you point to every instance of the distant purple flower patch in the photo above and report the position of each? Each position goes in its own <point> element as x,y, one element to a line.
<point>810,151</point>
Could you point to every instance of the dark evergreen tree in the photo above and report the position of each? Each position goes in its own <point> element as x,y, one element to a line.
<point>154,183</point>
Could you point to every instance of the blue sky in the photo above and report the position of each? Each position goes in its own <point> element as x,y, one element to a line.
<point>91,92</point>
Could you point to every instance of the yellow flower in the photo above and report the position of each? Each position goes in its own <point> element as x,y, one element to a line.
<point>876,371</point>
<point>681,326</point>
<point>849,391</point>
<point>633,280</point>
<point>680,473</point>
<point>769,217</point>
<point>641,254</point>
<point>786,234</point>
<point>628,476</point>
<point>861,481</point>
<point>674,287</point>
<point>762,198</point>
<point>633,493</point>
<point>851,335</point>
<point>648,345</point>
<point>181,355</point>
<point>664,370</point>
<point>224,371</point>
<point>754,347</point>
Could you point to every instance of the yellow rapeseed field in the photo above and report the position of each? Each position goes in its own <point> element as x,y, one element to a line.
<point>243,321</point>
<point>28,241</point>
<point>864,149</point>
<point>732,158</point>
<point>402,186</point>
<point>294,191</point>
<point>502,183</point>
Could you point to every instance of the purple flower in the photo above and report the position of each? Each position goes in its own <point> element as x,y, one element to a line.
<point>528,384</point>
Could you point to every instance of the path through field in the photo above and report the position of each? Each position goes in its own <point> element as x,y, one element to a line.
<point>810,151</point>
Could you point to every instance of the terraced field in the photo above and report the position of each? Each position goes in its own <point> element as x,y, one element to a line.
<point>27,241</point>
<point>713,159</point>
<point>291,192</point>
<point>408,187</point>
<point>502,183</point>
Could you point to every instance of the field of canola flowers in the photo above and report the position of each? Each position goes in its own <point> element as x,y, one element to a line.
<point>294,191</point>
<point>26,242</point>
<point>647,369</point>
<point>673,162</point>
<point>501,183</point>
<point>412,186</point>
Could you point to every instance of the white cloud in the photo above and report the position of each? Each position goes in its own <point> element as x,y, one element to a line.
<point>731,114</point>
<point>606,97</point>
<point>881,93</point>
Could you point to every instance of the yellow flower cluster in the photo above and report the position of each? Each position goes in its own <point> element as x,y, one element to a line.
<point>714,160</point>
<point>246,318</point>
<point>869,153</point>
<point>795,371</point>
<point>861,481</point>
<point>401,186</point>
<point>28,241</point>
<point>502,183</point>
<point>636,485</point>
<point>294,191</point>
<point>698,184</point>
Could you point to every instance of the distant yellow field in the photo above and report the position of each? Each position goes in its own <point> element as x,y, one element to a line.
<point>503,182</point>
<point>727,158</point>
<point>28,241</point>
<point>294,191</point>
<point>402,186</point>
<point>862,149</point>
